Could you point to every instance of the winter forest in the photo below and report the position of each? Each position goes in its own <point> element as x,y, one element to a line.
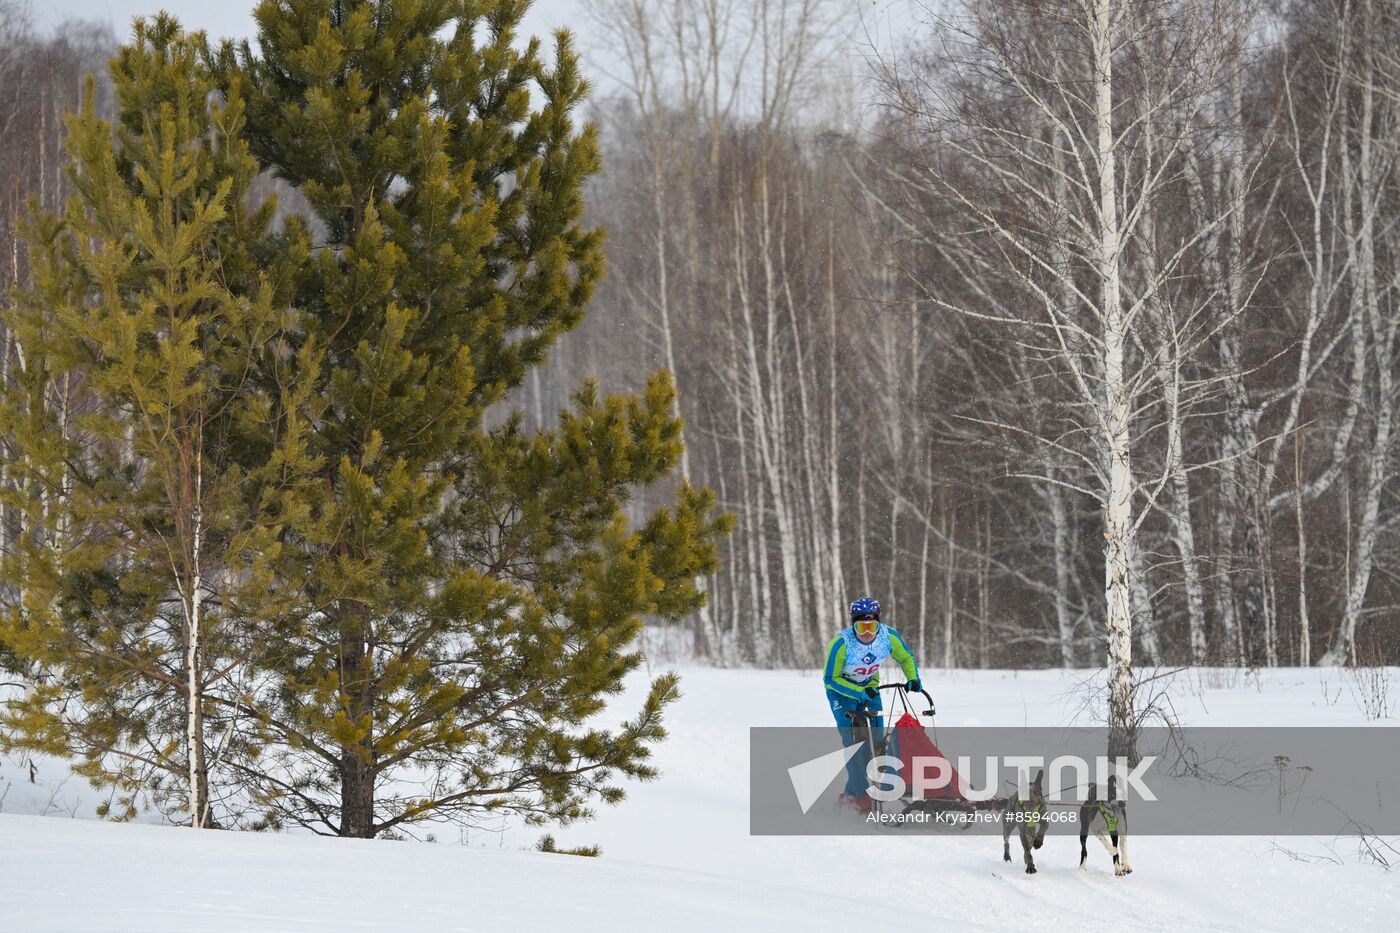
<point>1065,329</point>
<point>1029,288</point>
<point>958,315</point>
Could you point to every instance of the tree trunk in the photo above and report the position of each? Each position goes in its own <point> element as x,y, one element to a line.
<point>357,757</point>
<point>1179,510</point>
<point>836,580</point>
<point>984,600</point>
<point>860,519</point>
<point>922,643</point>
<point>950,531</point>
<point>356,795</point>
<point>194,720</point>
<point>1304,630</point>
<point>1118,518</point>
<point>1144,613</point>
<point>1064,623</point>
<point>1382,331</point>
<point>193,584</point>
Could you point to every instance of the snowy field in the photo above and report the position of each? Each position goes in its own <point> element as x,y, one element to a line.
<point>677,854</point>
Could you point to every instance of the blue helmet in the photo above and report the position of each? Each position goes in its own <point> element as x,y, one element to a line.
<point>865,606</point>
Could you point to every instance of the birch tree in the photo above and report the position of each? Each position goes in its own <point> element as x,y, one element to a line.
<point>1040,132</point>
<point>1369,156</point>
<point>711,90</point>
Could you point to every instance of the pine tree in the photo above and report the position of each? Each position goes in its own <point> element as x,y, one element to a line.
<point>468,592</point>
<point>146,521</point>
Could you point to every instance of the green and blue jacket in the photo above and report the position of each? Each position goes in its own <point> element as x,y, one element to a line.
<point>852,666</point>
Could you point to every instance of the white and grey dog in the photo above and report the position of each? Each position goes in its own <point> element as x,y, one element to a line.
<point>1108,820</point>
<point>1026,818</point>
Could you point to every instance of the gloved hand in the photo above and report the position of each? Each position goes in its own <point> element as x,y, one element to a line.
<point>914,686</point>
<point>872,693</point>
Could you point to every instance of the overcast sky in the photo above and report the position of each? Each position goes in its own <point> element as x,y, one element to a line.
<point>881,20</point>
<point>221,18</point>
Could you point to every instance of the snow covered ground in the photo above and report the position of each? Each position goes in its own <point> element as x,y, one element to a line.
<point>76,875</point>
<point>677,854</point>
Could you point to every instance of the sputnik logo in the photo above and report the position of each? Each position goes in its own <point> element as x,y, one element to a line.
<point>811,778</point>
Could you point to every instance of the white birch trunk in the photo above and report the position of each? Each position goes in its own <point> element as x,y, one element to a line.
<point>193,599</point>
<point>836,577</point>
<point>922,644</point>
<point>950,531</point>
<point>1179,507</point>
<point>765,442</point>
<point>1382,331</point>
<point>860,517</point>
<point>1064,622</point>
<point>1304,627</point>
<point>984,600</point>
<point>1118,508</point>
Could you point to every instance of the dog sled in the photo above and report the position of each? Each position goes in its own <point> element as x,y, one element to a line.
<point>907,741</point>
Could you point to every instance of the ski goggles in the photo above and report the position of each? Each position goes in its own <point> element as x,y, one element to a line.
<point>867,626</point>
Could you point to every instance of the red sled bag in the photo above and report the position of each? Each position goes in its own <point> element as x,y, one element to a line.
<point>911,743</point>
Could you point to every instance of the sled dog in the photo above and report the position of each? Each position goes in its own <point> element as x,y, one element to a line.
<point>1108,820</point>
<point>1025,816</point>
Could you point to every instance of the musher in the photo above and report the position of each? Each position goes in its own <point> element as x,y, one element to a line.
<point>852,679</point>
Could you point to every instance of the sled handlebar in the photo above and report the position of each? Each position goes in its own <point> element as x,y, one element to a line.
<point>921,691</point>
<point>863,710</point>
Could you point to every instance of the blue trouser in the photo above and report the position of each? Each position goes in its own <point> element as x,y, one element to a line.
<point>856,781</point>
